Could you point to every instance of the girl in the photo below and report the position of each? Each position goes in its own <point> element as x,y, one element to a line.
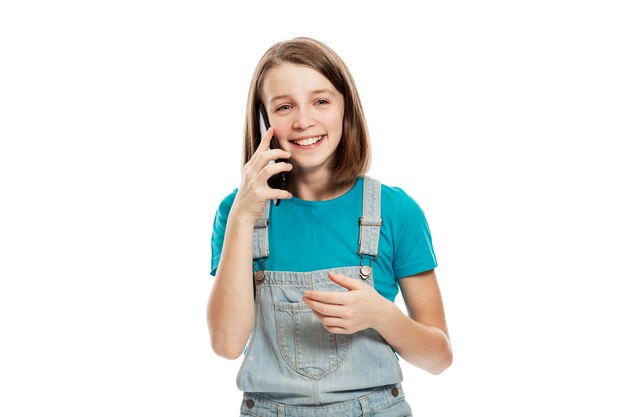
<point>310,283</point>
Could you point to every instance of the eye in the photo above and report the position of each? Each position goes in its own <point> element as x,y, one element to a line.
<point>321,101</point>
<point>283,107</point>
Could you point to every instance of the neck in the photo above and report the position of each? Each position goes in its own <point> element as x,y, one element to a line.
<point>314,186</point>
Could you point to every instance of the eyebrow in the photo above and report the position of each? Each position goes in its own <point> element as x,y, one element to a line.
<point>315,92</point>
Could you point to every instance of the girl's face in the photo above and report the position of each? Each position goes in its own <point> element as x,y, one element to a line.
<point>306,112</point>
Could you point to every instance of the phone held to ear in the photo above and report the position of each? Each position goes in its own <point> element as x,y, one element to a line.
<point>278,180</point>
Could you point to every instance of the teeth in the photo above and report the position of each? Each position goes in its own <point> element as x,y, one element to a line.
<point>308,141</point>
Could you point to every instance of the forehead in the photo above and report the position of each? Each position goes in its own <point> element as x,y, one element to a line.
<point>293,80</point>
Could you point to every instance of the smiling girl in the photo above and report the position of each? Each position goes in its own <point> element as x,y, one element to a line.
<point>309,285</point>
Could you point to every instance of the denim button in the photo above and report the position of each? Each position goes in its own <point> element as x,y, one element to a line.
<point>394,391</point>
<point>259,276</point>
<point>365,272</point>
<point>249,403</point>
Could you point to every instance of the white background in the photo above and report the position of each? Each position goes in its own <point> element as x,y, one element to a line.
<point>121,126</point>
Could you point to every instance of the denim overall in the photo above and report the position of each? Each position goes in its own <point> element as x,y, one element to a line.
<point>294,367</point>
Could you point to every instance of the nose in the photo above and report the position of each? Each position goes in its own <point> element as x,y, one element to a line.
<point>303,120</point>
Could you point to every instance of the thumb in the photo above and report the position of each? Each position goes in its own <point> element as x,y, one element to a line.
<point>345,281</point>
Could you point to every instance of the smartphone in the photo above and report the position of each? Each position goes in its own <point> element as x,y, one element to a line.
<point>278,180</point>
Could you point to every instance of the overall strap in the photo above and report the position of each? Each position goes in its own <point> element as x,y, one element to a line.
<point>370,221</point>
<point>260,240</point>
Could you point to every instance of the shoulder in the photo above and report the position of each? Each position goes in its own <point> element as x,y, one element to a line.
<point>219,229</point>
<point>402,212</point>
<point>413,250</point>
<point>227,202</point>
<point>398,203</point>
<point>224,208</point>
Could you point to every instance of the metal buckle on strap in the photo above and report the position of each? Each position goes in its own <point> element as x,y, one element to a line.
<point>261,223</point>
<point>370,221</point>
<point>366,270</point>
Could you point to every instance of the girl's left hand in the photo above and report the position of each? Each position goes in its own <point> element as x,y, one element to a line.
<point>359,308</point>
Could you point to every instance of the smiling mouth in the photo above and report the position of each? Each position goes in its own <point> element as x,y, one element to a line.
<point>308,141</point>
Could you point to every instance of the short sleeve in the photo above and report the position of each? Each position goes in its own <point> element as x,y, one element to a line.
<point>219,230</point>
<point>413,246</point>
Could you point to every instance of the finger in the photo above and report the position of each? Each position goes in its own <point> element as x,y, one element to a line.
<point>268,158</point>
<point>330,322</point>
<point>264,145</point>
<point>346,282</point>
<point>266,140</point>
<point>337,330</point>
<point>327,297</point>
<point>272,169</point>
<point>327,310</point>
<point>279,194</point>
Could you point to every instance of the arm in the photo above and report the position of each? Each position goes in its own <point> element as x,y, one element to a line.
<point>230,310</point>
<point>421,339</point>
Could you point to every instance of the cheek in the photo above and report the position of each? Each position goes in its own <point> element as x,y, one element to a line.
<point>281,130</point>
<point>337,124</point>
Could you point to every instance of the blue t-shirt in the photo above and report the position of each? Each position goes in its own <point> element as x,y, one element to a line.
<point>312,235</point>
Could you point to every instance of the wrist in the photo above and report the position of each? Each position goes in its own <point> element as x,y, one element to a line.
<point>384,315</point>
<point>240,220</point>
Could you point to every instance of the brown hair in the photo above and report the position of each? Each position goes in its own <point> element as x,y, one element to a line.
<point>353,154</point>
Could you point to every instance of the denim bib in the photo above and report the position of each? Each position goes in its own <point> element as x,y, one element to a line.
<point>292,359</point>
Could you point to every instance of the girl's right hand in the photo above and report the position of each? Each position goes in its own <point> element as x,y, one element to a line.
<point>254,191</point>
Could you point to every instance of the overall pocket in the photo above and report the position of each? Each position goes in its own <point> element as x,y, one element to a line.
<point>305,345</point>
